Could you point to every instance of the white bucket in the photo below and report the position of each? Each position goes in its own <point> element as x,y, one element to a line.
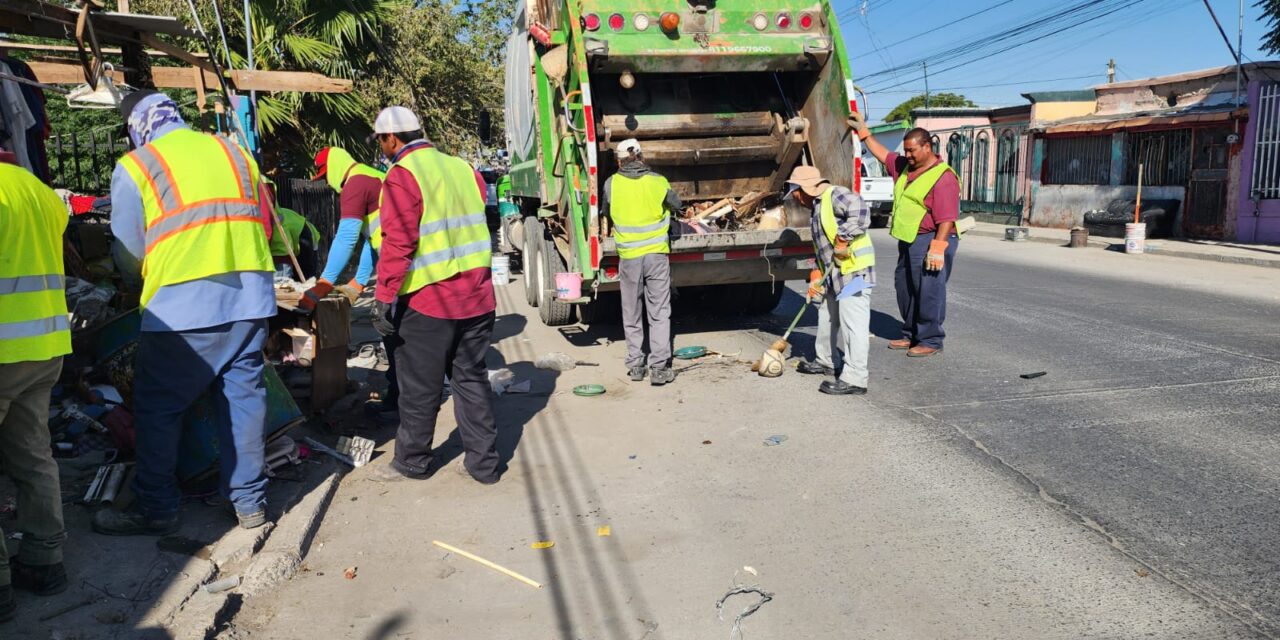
<point>501,269</point>
<point>1135,237</point>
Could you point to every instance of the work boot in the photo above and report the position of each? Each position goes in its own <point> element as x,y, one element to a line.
<point>389,473</point>
<point>132,522</point>
<point>814,368</point>
<point>841,388</point>
<point>900,344</point>
<point>922,351</point>
<point>462,470</point>
<point>659,376</point>
<point>637,373</point>
<point>8,607</point>
<point>40,579</point>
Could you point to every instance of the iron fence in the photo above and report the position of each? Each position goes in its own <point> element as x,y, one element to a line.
<point>1266,150</point>
<point>82,161</point>
<point>316,202</point>
<point>991,163</point>
<point>1165,157</point>
<point>1077,160</point>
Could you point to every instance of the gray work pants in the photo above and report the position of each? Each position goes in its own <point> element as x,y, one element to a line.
<point>26,458</point>
<point>848,341</point>
<point>646,290</point>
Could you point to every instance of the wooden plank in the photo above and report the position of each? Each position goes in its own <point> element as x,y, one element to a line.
<point>184,78</point>
<point>62,48</point>
<point>303,81</point>
<point>177,52</point>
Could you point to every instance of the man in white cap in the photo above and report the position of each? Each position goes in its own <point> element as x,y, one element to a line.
<point>433,271</point>
<point>842,287</point>
<point>640,203</point>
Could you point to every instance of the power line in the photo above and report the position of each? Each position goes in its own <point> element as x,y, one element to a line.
<point>997,84</point>
<point>948,23</point>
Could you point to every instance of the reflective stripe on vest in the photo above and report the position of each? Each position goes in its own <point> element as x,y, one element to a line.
<point>908,201</point>
<point>456,237</point>
<point>33,304</point>
<point>640,220</point>
<point>862,254</point>
<point>200,204</point>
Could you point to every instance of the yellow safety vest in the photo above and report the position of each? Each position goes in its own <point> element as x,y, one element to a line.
<point>908,201</point>
<point>862,255</point>
<point>33,304</point>
<point>339,168</point>
<point>453,236</point>
<point>293,223</point>
<point>200,204</point>
<point>640,221</point>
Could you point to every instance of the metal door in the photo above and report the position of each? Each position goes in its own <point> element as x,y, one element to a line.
<point>1205,205</point>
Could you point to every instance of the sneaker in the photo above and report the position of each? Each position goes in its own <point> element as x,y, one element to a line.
<point>462,470</point>
<point>388,473</point>
<point>8,607</point>
<point>814,368</point>
<point>252,520</point>
<point>661,376</point>
<point>40,579</point>
<point>133,522</point>
<point>840,388</point>
<point>637,373</point>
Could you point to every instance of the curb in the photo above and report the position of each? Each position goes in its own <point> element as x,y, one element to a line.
<point>1151,249</point>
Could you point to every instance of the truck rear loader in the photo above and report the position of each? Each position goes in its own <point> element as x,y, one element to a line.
<point>725,96</point>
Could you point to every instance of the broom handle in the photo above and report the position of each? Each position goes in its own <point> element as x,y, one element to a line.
<point>796,321</point>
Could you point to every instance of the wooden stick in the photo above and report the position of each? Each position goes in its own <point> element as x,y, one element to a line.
<point>1137,208</point>
<point>499,569</point>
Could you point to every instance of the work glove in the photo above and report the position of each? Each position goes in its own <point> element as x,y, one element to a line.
<point>382,318</point>
<point>841,249</point>
<point>312,297</point>
<point>936,259</point>
<point>858,123</point>
<point>351,290</point>
<point>816,287</point>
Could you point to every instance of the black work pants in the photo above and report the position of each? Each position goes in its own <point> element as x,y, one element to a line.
<point>432,349</point>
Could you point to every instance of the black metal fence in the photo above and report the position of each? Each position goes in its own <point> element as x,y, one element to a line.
<point>316,202</point>
<point>82,161</point>
<point>1078,160</point>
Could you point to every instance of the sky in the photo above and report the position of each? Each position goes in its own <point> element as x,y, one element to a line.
<point>1145,37</point>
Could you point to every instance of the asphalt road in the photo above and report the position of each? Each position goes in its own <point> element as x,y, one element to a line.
<point>1129,492</point>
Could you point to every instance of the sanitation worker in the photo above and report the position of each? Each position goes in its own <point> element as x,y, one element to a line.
<point>435,291</point>
<point>640,203</point>
<point>359,228</point>
<point>187,205</point>
<point>34,336</point>
<point>926,204</point>
<point>302,236</point>
<point>842,286</point>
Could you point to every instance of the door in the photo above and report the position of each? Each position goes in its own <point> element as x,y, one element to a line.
<point>1206,203</point>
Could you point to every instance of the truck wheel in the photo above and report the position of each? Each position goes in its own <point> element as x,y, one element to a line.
<point>765,297</point>
<point>529,259</point>
<point>553,312</point>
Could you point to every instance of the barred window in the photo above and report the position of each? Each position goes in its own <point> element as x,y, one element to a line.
<point>1266,150</point>
<point>1080,160</point>
<point>1165,157</point>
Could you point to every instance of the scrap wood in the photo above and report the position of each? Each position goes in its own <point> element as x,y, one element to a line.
<point>500,569</point>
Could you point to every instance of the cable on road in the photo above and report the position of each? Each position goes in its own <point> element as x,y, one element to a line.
<point>736,632</point>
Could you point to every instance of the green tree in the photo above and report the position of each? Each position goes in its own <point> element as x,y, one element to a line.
<point>1270,12</point>
<point>903,111</point>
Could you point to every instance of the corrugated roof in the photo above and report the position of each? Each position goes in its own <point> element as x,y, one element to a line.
<point>1134,120</point>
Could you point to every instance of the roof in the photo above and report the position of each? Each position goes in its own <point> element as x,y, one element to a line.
<point>1189,76</point>
<point>1076,95</point>
<point>949,111</point>
<point>1133,120</point>
<point>886,127</point>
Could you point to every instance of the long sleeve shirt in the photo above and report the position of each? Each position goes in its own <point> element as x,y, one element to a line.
<point>359,197</point>
<point>853,218</point>
<point>465,295</point>
<point>198,304</point>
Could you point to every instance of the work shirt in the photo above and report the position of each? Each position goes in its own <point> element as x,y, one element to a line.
<point>943,201</point>
<point>853,218</point>
<point>209,302</point>
<point>466,295</point>
<point>359,196</point>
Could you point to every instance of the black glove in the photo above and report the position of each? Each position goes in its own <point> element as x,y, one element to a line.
<point>382,318</point>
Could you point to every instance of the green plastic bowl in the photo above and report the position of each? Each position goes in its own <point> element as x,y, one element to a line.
<point>588,390</point>
<point>689,353</point>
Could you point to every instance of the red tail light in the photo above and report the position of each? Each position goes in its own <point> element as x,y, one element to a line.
<point>670,22</point>
<point>616,22</point>
<point>591,22</point>
<point>806,21</point>
<point>784,21</point>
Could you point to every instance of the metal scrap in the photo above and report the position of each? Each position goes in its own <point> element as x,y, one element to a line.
<point>736,632</point>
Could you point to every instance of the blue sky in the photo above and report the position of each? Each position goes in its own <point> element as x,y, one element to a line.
<point>1151,37</point>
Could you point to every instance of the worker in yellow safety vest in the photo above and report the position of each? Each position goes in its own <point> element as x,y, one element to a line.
<point>926,204</point>
<point>303,238</point>
<point>640,204</point>
<point>359,187</point>
<point>34,336</point>
<point>188,208</point>
<point>842,286</point>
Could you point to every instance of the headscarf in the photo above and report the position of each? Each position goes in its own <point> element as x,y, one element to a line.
<point>150,115</point>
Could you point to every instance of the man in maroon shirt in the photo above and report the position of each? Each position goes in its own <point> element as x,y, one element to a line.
<point>925,189</point>
<point>445,326</point>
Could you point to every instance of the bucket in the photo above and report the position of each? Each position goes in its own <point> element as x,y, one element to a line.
<point>568,286</point>
<point>507,209</point>
<point>1135,237</point>
<point>1079,238</point>
<point>501,270</point>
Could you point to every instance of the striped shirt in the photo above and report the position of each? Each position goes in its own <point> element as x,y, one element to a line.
<point>853,218</point>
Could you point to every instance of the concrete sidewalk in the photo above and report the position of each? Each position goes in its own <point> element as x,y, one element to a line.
<point>1260,255</point>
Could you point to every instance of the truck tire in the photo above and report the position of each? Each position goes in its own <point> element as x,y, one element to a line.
<point>553,312</point>
<point>765,297</point>
<point>529,259</point>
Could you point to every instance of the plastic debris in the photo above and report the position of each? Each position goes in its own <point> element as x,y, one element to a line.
<point>1031,376</point>
<point>524,386</point>
<point>689,353</point>
<point>545,544</point>
<point>736,631</point>
<point>350,573</point>
<point>773,441</point>
<point>500,379</point>
<point>556,361</point>
<point>588,390</point>
<point>605,531</point>
<point>359,449</point>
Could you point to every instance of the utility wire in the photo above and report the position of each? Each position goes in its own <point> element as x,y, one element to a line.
<point>1234,55</point>
<point>948,23</point>
<point>998,84</point>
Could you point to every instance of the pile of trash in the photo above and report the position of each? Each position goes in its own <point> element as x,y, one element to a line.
<point>753,211</point>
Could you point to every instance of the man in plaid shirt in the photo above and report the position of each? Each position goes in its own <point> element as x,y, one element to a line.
<point>842,285</point>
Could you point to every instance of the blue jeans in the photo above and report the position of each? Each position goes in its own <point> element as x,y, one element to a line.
<point>172,370</point>
<point>922,295</point>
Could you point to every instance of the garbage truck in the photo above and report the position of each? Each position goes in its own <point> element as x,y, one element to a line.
<point>726,97</point>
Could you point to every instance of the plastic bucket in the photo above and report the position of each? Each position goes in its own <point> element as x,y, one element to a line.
<point>1135,237</point>
<point>501,269</point>
<point>568,286</point>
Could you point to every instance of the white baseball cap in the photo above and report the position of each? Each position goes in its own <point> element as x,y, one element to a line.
<point>628,148</point>
<point>396,120</point>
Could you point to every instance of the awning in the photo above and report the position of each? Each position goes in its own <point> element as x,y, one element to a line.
<point>1135,121</point>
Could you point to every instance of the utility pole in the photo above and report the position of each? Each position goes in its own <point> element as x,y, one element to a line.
<point>926,85</point>
<point>1240,55</point>
<point>1111,71</point>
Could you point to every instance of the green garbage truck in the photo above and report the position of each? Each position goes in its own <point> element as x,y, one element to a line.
<point>726,97</point>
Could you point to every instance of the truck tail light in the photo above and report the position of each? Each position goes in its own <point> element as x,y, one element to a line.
<point>591,22</point>
<point>641,22</point>
<point>616,22</point>
<point>806,21</point>
<point>784,21</point>
<point>670,22</point>
<point>594,245</point>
